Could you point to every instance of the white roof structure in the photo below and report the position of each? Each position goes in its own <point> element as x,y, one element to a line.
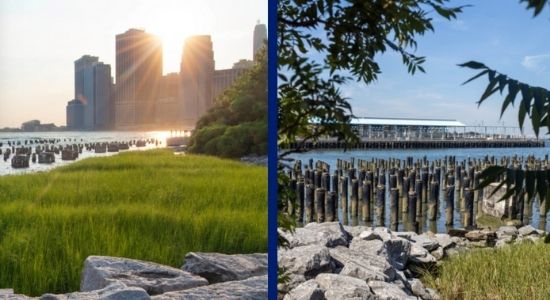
<point>407,122</point>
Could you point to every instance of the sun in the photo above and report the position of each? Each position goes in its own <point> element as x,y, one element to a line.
<point>173,22</point>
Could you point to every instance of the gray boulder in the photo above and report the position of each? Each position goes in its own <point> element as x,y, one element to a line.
<point>444,240</point>
<point>341,287</point>
<point>100,271</point>
<point>527,230</point>
<point>253,288</point>
<point>374,247</point>
<point>362,265</point>
<point>418,289</point>
<point>505,231</point>
<point>330,234</point>
<point>306,260</point>
<point>355,231</point>
<point>114,291</point>
<point>397,252</point>
<point>217,267</point>
<point>425,242</point>
<point>419,255</point>
<point>386,290</point>
<point>308,290</point>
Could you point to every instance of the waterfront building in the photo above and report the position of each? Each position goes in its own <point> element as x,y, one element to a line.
<point>75,115</point>
<point>138,73</point>
<point>223,79</point>
<point>169,106</point>
<point>197,75</point>
<point>93,90</point>
<point>260,36</point>
<point>243,64</point>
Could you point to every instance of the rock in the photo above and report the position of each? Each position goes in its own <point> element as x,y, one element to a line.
<point>306,260</point>
<point>100,271</point>
<point>507,231</point>
<point>355,231</point>
<point>419,255</point>
<point>341,287</point>
<point>425,242</point>
<point>329,234</point>
<point>479,235</point>
<point>253,288</point>
<point>361,264</point>
<point>368,236</point>
<point>459,232</point>
<point>386,290</point>
<point>438,253</point>
<point>397,252</point>
<point>308,290</point>
<point>374,247</point>
<point>291,283</point>
<point>418,289</point>
<point>527,230</point>
<point>505,240</point>
<point>444,240</point>
<point>408,235</point>
<point>6,292</point>
<point>114,291</point>
<point>217,267</point>
<point>383,232</point>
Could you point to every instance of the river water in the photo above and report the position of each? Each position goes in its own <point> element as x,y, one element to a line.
<point>71,137</point>
<point>331,157</point>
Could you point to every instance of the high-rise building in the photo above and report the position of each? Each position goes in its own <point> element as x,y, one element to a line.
<point>93,90</point>
<point>260,35</point>
<point>138,73</point>
<point>75,115</point>
<point>197,74</point>
<point>169,107</point>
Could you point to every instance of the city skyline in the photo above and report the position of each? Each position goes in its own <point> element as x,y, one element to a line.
<point>52,84</point>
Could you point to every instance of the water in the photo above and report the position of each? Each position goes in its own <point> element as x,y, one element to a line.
<point>331,157</point>
<point>81,137</point>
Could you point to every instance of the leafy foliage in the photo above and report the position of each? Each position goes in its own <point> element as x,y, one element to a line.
<point>536,5</point>
<point>237,124</point>
<point>534,101</point>
<point>323,44</point>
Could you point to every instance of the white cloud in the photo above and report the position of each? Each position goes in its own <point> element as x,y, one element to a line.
<point>537,63</point>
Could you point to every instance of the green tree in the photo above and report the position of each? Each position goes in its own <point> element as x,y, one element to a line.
<point>534,102</point>
<point>237,124</point>
<point>322,45</point>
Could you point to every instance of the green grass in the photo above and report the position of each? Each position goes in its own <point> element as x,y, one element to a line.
<point>149,205</point>
<point>514,272</point>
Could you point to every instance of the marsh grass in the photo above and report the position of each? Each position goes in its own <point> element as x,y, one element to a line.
<point>149,205</point>
<point>514,272</point>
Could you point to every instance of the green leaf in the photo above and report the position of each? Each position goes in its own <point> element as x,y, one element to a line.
<point>473,65</point>
<point>477,76</point>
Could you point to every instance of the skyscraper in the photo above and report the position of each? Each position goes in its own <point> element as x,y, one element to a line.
<point>93,91</point>
<point>197,74</point>
<point>75,115</point>
<point>138,73</point>
<point>260,35</point>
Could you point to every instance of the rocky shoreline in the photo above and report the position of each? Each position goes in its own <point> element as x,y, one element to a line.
<point>331,261</point>
<point>203,276</point>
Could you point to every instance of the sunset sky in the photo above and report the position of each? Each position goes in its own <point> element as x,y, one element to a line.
<point>40,40</point>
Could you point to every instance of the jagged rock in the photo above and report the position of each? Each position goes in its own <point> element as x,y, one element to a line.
<point>386,290</point>
<point>114,291</point>
<point>373,247</point>
<point>341,287</point>
<point>444,240</point>
<point>383,233</point>
<point>504,231</point>
<point>479,235</point>
<point>306,260</point>
<point>438,253</point>
<point>408,235</point>
<point>100,271</point>
<point>308,290</point>
<point>292,282</point>
<point>330,234</point>
<point>361,264</point>
<point>527,230</point>
<point>368,236</point>
<point>397,252</point>
<point>419,255</point>
<point>253,288</point>
<point>458,232</point>
<point>217,267</point>
<point>425,242</point>
<point>355,231</point>
<point>418,289</point>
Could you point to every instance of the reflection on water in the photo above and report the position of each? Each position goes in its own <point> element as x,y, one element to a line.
<point>72,137</point>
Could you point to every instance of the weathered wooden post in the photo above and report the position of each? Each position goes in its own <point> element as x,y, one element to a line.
<point>449,204</point>
<point>310,191</point>
<point>354,197</point>
<point>320,201</point>
<point>344,196</point>
<point>469,211</point>
<point>412,198</point>
<point>331,206</point>
<point>291,205</point>
<point>419,189</point>
<point>300,199</point>
<point>380,202</point>
<point>394,208</point>
<point>365,204</point>
<point>432,201</point>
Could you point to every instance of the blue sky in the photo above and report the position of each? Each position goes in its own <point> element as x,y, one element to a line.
<point>40,40</point>
<point>500,33</point>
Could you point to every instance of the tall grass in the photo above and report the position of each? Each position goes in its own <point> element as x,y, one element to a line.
<point>515,272</point>
<point>149,205</point>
